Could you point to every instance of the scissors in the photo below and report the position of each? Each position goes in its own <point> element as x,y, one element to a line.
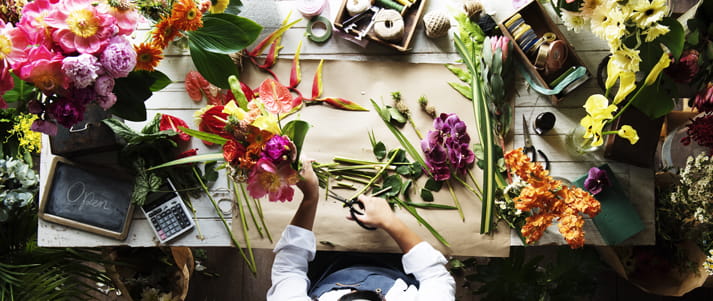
<point>529,149</point>
<point>353,211</point>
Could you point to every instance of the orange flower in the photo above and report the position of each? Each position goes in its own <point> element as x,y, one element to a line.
<point>186,15</point>
<point>148,55</point>
<point>548,199</point>
<point>164,33</point>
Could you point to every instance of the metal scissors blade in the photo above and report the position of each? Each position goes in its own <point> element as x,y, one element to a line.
<point>353,211</point>
<point>526,132</point>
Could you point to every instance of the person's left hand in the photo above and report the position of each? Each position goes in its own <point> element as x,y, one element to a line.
<point>308,184</point>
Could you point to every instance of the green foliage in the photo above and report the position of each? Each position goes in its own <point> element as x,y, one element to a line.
<point>131,92</point>
<point>221,35</point>
<point>296,130</point>
<point>571,274</point>
<point>18,186</point>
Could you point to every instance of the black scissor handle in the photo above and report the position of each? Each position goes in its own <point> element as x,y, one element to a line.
<point>354,212</point>
<point>530,152</point>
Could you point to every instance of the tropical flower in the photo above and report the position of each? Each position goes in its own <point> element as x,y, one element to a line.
<point>173,123</point>
<point>447,148</point>
<point>629,133</point>
<point>598,107</point>
<point>597,180</point>
<point>148,55</point>
<point>662,64</point>
<point>276,97</point>
<point>275,181</point>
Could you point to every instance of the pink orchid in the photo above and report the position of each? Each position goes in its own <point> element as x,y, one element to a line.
<point>44,69</point>
<point>271,180</point>
<point>80,26</point>
<point>276,97</point>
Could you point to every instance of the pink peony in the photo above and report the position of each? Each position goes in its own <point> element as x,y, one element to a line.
<point>6,82</point>
<point>44,69</point>
<point>106,101</point>
<point>81,26</point>
<point>119,57</point>
<point>104,85</point>
<point>268,179</point>
<point>81,70</point>
<point>125,14</point>
<point>33,20</point>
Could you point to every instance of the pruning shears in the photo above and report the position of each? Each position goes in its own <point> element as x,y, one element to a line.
<point>352,210</point>
<point>529,149</point>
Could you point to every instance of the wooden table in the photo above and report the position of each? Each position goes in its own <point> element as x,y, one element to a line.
<point>637,181</point>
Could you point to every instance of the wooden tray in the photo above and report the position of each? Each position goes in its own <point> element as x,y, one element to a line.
<point>411,16</point>
<point>535,15</point>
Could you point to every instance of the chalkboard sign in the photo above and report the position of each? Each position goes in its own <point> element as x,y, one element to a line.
<point>91,199</point>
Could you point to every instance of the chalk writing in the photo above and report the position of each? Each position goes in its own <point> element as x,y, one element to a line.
<point>77,192</point>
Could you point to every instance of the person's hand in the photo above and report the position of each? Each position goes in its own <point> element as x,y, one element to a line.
<point>308,184</point>
<point>377,212</point>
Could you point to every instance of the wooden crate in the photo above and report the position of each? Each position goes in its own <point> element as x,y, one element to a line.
<point>411,16</point>
<point>535,15</point>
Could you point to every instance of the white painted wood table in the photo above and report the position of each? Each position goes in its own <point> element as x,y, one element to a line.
<point>638,182</point>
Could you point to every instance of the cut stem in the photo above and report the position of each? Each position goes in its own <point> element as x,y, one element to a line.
<point>244,223</point>
<point>378,174</point>
<point>455,200</point>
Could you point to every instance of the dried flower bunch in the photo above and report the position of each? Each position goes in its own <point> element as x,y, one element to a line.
<point>548,200</point>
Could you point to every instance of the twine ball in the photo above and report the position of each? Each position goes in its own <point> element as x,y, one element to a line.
<point>472,8</point>
<point>389,25</point>
<point>358,6</point>
<point>436,23</point>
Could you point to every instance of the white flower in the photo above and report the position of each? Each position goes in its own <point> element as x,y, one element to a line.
<point>588,7</point>
<point>655,31</point>
<point>708,264</point>
<point>573,20</point>
<point>647,12</point>
<point>627,59</point>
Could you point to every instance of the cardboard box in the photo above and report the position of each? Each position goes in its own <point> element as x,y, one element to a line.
<point>535,15</point>
<point>411,15</point>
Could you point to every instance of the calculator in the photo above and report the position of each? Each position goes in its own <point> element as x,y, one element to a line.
<point>167,215</point>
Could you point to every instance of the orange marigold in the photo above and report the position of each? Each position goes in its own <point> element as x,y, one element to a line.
<point>164,32</point>
<point>548,199</point>
<point>148,55</point>
<point>186,15</point>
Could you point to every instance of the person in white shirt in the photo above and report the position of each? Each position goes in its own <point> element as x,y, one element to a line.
<point>297,248</point>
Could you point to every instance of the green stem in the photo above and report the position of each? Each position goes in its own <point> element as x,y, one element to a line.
<point>479,195</point>
<point>362,162</point>
<point>628,103</point>
<point>413,125</point>
<point>472,179</point>
<point>422,221</point>
<point>251,264</point>
<point>258,206</point>
<point>244,223</point>
<point>378,174</point>
<point>455,200</point>
<point>355,179</point>
<point>609,133</point>
<point>252,216</point>
<point>428,205</point>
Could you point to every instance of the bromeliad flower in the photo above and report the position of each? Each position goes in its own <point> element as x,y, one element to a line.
<point>275,181</point>
<point>597,180</point>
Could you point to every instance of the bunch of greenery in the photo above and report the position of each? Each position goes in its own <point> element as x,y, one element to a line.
<point>571,274</point>
<point>18,186</point>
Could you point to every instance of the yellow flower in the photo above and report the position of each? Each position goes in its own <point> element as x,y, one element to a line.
<point>599,19</point>
<point>628,132</point>
<point>267,122</point>
<point>613,71</point>
<point>663,63</point>
<point>655,31</point>
<point>588,7</point>
<point>198,114</point>
<point>232,109</point>
<point>28,139</point>
<point>598,107</point>
<point>626,59</point>
<point>593,129</point>
<point>219,6</point>
<point>647,13</point>
<point>627,84</point>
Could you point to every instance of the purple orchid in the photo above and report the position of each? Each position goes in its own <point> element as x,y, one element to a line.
<point>447,148</point>
<point>279,149</point>
<point>597,180</point>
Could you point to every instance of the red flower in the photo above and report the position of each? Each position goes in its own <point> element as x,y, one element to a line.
<point>701,131</point>
<point>232,151</point>
<point>188,153</point>
<point>276,97</point>
<point>169,122</point>
<point>686,68</point>
<point>213,121</point>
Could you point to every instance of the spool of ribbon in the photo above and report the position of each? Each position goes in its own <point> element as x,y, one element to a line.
<point>389,25</point>
<point>311,8</point>
<point>391,4</point>
<point>355,7</point>
<point>327,27</point>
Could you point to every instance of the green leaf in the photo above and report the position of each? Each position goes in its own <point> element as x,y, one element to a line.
<point>191,159</point>
<point>433,185</point>
<point>394,182</point>
<point>464,90</point>
<point>211,175</point>
<point>21,91</point>
<point>405,188</point>
<point>153,126</point>
<point>131,92</point>
<point>693,38</point>
<point>404,170</point>
<point>208,137</point>
<point>380,150</point>
<point>416,170</point>
<point>120,129</point>
<point>399,155</point>
<point>460,73</point>
<point>653,102</point>
<point>215,67</point>
<point>674,39</point>
<point>426,195</point>
<point>297,131</point>
<point>396,115</point>
<point>224,33</point>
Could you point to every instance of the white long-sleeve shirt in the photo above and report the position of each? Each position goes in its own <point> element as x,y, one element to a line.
<point>298,246</point>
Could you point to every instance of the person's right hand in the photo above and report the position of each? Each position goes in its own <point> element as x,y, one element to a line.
<point>377,212</point>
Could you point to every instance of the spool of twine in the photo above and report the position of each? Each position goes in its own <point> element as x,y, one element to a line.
<point>437,24</point>
<point>472,8</point>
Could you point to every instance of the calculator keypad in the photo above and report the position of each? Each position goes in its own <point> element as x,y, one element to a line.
<point>169,219</point>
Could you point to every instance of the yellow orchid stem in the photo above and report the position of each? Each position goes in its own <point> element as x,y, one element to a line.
<point>244,223</point>
<point>455,200</point>
<point>251,265</point>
